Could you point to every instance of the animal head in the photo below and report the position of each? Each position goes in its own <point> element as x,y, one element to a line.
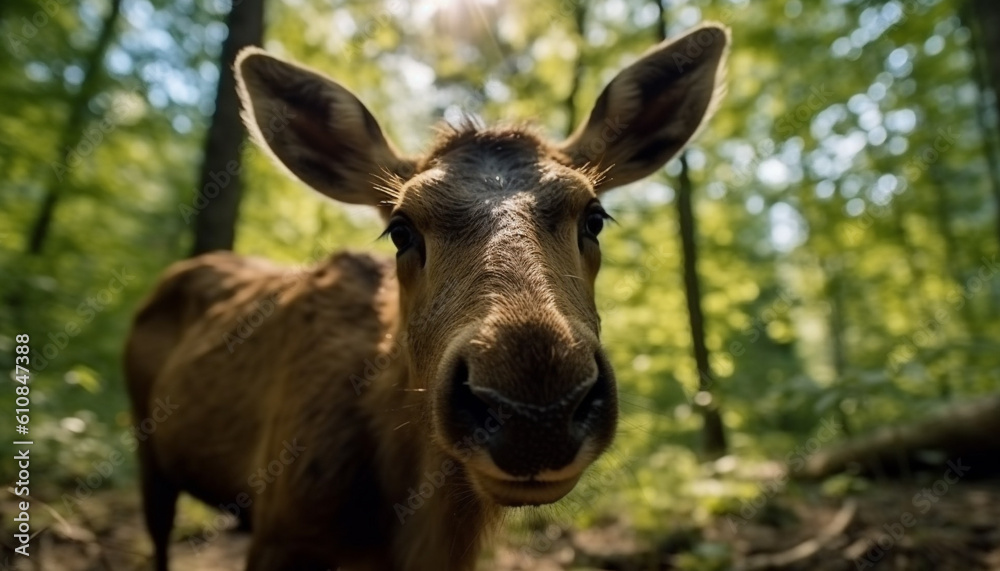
<point>497,233</point>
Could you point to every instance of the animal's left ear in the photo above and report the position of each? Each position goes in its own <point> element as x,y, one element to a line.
<point>652,108</point>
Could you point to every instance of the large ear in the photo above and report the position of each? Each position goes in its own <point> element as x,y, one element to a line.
<point>652,108</point>
<point>317,128</point>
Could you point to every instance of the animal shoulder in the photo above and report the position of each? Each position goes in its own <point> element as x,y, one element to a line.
<point>220,291</point>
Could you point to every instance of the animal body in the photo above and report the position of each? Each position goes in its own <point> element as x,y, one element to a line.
<point>376,414</point>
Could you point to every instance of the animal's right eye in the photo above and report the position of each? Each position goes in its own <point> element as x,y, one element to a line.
<point>402,234</point>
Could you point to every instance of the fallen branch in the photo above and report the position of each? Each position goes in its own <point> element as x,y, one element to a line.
<point>968,428</point>
<point>805,549</point>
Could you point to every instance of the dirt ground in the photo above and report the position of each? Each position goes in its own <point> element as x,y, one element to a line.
<point>891,526</point>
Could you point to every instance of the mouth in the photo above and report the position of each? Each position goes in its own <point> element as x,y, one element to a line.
<point>512,492</point>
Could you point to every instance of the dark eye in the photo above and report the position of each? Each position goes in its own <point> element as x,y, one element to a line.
<point>594,223</point>
<point>406,238</point>
<point>401,236</point>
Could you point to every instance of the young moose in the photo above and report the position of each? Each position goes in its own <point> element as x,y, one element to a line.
<point>469,370</point>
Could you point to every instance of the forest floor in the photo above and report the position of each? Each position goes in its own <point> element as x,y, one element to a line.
<point>890,526</point>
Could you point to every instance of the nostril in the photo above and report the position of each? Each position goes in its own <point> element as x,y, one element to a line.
<point>526,438</point>
<point>594,400</point>
<point>469,409</point>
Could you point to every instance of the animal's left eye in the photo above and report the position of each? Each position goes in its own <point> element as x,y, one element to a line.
<point>595,223</point>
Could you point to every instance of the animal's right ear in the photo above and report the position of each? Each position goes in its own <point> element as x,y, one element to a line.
<point>317,128</point>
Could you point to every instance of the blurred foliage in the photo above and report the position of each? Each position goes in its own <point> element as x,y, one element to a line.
<point>842,202</point>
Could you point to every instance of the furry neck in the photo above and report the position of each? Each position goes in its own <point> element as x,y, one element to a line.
<point>439,520</point>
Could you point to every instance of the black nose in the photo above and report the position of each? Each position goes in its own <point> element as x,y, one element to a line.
<point>524,439</point>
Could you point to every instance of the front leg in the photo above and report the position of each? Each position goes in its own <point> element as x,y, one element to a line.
<point>268,554</point>
<point>278,555</point>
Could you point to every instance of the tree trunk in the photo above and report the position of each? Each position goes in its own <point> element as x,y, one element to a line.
<point>983,17</point>
<point>835,293</point>
<point>572,110</point>
<point>72,132</point>
<point>220,185</point>
<point>714,435</point>
<point>713,431</point>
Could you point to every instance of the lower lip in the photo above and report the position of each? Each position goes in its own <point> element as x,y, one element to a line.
<point>526,492</point>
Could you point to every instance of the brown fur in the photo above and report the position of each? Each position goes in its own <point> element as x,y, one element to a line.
<point>361,380</point>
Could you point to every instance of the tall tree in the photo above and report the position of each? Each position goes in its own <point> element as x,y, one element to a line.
<point>580,23</point>
<point>983,16</point>
<point>73,130</point>
<point>713,431</point>
<point>221,184</point>
<point>834,290</point>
